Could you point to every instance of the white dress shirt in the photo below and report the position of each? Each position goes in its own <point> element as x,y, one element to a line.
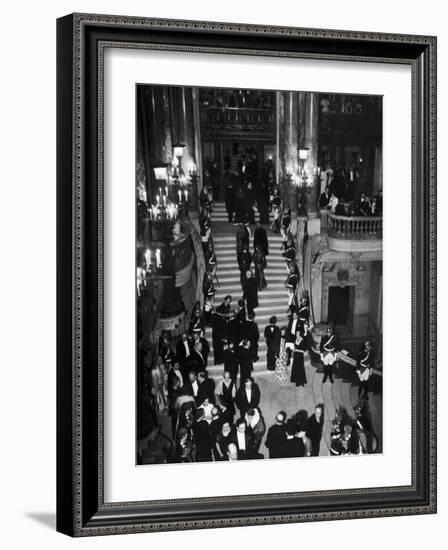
<point>241,437</point>
<point>248,395</point>
<point>187,349</point>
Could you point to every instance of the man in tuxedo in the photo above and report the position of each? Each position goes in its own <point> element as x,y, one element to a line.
<point>230,192</point>
<point>248,396</point>
<point>201,431</point>
<point>175,374</point>
<point>245,359</point>
<point>232,453</point>
<point>241,438</point>
<point>251,332</point>
<point>234,333</point>
<point>214,180</point>
<point>293,445</point>
<point>329,347</point>
<point>224,312</point>
<point>276,437</point>
<point>242,239</point>
<point>224,308</point>
<point>205,346</point>
<point>244,262</point>
<point>314,428</point>
<point>272,336</point>
<point>261,239</point>
<point>206,388</point>
<point>196,360</point>
<point>219,325</point>
<point>183,350</point>
<point>363,206</point>
<point>230,360</point>
<point>192,386</point>
<point>324,199</point>
<point>241,316</point>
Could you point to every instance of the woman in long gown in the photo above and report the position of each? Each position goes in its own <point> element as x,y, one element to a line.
<point>159,387</point>
<point>281,364</point>
<point>225,392</point>
<point>298,366</point>
<point>263,203</point>
<point>260,264</point>
<point>240,205</point>
<point>250,292</point>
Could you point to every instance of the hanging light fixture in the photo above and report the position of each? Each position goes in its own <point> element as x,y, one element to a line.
<point>178,150</point>
<point>161,171</point>
<point>303,153</point>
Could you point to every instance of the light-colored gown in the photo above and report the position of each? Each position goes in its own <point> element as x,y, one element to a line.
<point>281,367</point>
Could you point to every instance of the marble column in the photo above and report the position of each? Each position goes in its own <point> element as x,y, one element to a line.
<point>288,135</point>
<point>378,171</point>
<point>308,137</point>
<point>159,122</point>
<point>142,149</point>
<point>183,131</point>
<point>198,146</point>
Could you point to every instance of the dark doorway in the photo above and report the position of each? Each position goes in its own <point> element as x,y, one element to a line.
<point>340,305</point>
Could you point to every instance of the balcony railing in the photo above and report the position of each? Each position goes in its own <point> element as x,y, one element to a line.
<point>235,121</point>
<point>355,227</point>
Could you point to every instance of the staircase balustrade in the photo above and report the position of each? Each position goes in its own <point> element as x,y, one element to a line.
<point>355,227</point>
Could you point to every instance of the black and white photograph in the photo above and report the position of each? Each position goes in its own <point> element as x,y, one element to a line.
<point>258,274</point>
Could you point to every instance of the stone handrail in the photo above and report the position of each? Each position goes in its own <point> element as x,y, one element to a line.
<point>355,227</point>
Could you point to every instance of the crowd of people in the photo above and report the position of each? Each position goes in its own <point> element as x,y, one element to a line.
<point>340,196</point>
<point>222,420</point>
<point>249,191</point>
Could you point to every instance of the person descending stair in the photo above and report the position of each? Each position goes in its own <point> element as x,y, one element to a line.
<point>271,299</point>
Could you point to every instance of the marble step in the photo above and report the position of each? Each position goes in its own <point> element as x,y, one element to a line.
<point>219,206</point>
<point>262,318</point>
<point>229,253</point>
<point>270,308</point>
<point>235,291</point>
<point>273,289</point>
<point>217,370</point>
<point>262,349</point>
<point>223,237</point>
<point>229,259</point>
<point>226,246</point>
<point>221,215</point>
<point>230,267</point>
<point>266,294</point>
<point>278,278</point>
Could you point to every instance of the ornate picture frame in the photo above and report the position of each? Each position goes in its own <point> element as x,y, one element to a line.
<point>81,41</point>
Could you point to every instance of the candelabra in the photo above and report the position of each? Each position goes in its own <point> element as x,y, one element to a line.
<point>150,269</point>
<point>301,177</point>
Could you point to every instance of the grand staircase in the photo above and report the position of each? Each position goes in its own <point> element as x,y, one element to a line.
<point>272,300</point>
